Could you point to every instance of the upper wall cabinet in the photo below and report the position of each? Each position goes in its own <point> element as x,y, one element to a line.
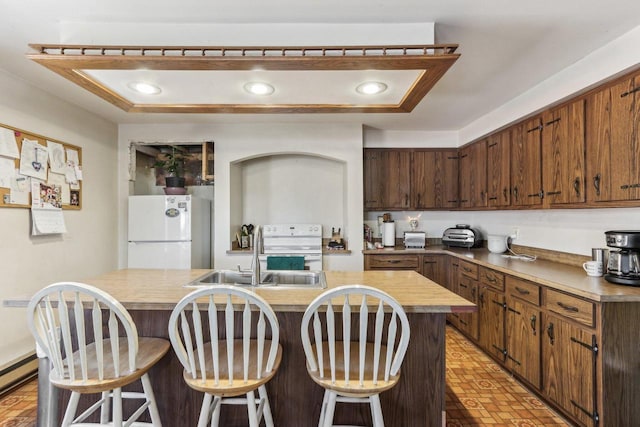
<point>386,179</point>
<point>563,154</point>
<point>526,163</point>
<point>401,179</point>
<point>499,169</point>
<point>434,179</point>
<point>613,143</point>
<point>473,175</point>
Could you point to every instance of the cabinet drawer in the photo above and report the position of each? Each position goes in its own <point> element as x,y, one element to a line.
<point>491,278</point>
<point>468,269</point>
<point>571,307</point>
<point>524,290</point>
<point>394,262</point>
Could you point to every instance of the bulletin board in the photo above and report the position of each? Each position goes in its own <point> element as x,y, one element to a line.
<point>55,164</point>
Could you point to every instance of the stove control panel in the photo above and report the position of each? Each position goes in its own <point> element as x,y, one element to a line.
<point>281,230</point>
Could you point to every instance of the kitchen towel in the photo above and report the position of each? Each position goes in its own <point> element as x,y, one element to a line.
<point>285,263</point>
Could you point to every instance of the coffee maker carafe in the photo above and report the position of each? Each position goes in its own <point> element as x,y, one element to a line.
<point>623,267</point>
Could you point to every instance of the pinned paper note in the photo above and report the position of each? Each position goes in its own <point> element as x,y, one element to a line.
<point>57,160</point>
<point>34,159</point>
<point>47,221</point>
<point>7,172</point>
<point>8,144</point>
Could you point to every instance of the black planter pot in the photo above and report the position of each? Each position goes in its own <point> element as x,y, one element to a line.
<point>174,181</point>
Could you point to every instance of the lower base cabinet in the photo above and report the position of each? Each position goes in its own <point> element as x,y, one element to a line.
<point>569,374</point>
<point>523,329</point>
<point>468,322</point>
<point>491,313</point>
<point>581,356</point>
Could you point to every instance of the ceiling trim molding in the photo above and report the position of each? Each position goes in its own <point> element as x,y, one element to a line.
<point>70,61</point>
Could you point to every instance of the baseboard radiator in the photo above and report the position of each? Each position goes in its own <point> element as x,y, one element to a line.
<point>17,372</point>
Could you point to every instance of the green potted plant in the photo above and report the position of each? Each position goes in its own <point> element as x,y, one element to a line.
<point>173,163</point>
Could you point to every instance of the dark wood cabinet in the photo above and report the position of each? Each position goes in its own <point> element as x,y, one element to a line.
<point>491,312</point>
<point>499,169</point>
<point>613,143</point>
<point>523,324</point>
<point>468,322</point>
<point>434,179</point>
<point>401,179</point>
<point>473,175</point>
<point>526,163</point>
<point>452,285</point>
<point>397,261</point>
<point>569,373</point>
<point>374,184</point>
<point>386,179</point>
<point>434,267</point>
<point>563,151</point>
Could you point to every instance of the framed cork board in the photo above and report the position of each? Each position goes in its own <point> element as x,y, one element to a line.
<point>27,158</point>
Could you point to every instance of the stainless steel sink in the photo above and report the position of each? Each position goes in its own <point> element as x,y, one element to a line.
<point>269,279</point>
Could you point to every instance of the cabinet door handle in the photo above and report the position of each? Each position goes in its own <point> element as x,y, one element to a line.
<point>522,291</point>
<point>534,323</point>
<point>419,203</point>
<point>552,122</point>
<point>491,279</point>
<point>538,194</point>
<point>622,95</point>
<point>493,198</point>
<point>576,186</point>
<point>463,286</point>
<point>467,269</point>
<point>550,332</point>
<point>515,193</point>
<point>568,307</point>
<point>596,184</point>
<point>394,261</point>
<point>504,194</point>
<point>406,200</point>
<point>501,304</point>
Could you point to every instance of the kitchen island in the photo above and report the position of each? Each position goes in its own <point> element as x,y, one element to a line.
<point>417,400</point>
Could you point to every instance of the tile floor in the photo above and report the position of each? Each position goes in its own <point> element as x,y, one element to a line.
<point>479,393</point>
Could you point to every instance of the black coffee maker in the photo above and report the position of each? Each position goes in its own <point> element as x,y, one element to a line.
<point>623,267</point>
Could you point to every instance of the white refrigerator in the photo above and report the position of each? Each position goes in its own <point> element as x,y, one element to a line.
<point>169,232</point>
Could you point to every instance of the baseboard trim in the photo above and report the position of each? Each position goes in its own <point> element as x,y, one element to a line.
<point>18,372</point>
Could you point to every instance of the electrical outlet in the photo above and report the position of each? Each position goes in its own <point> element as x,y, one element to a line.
<point>515,233</point>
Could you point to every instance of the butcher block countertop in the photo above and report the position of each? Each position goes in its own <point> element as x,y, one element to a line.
<point>141,289</point>
<point>555,275</point>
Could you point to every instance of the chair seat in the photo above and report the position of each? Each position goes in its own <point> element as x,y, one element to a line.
<point>239,386</point>
<point>353,388</point>
<point>150,351</point>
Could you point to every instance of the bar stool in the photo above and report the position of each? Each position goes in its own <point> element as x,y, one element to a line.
<point>224,363</point>
<point>79,329</point>
<point>354,370</point>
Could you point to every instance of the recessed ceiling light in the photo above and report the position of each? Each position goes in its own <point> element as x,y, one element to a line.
<point>145,88</point>
<point>371,88</point>
<point>259,88</point>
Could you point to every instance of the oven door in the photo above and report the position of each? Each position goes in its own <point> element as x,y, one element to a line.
<point>312,262</point>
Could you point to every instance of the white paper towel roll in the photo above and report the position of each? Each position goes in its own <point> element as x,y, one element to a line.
<point>388,233</point>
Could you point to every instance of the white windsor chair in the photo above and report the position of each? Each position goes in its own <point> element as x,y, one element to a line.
<point>354,370</point>
<point>225,363</point>
<point>79,328</point>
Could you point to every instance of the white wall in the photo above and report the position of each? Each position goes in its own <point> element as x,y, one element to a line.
<point>235,144</point>
<point>293,188</point>
<point>570,230</point>
<point>89,247</point>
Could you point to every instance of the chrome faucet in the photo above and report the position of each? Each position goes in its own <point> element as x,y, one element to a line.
<point>255,263</point>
